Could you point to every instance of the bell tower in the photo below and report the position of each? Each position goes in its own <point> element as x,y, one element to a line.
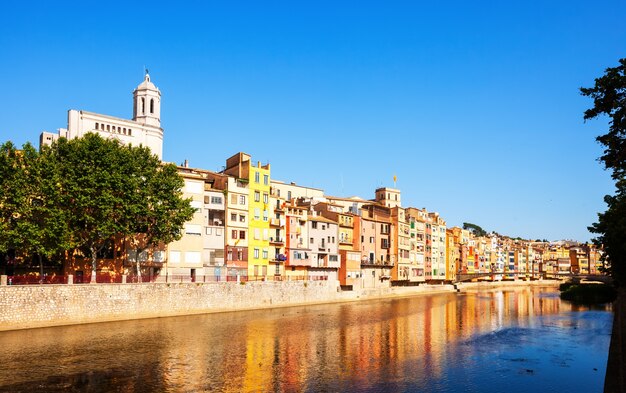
<point>147,103</point>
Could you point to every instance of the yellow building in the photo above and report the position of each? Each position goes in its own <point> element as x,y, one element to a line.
<point>258,178</point>
<point>259,243</point>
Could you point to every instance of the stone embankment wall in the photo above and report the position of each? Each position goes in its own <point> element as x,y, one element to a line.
<point>29,306</point>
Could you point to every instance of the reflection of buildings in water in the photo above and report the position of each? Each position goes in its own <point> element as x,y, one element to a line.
<point>310,348</point>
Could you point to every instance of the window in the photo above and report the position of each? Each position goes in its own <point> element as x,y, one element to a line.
<point>265,253</point>
<point>242,199</point>
<point>313,224</point>
<point>96,126</point>
<point>256,253</point>
<point>233,199</point>
<point>242,218</point>
<point>332,258</point>
<point>265,198</point>
<point>311,241</point>
<point>234,234</point>
<point>130,132</point>
<point>143,105</point>
<point>266,234</point>
<point>257,233</point>
<point>257,196</point>
<point>209,231</point>
<point>242,234</point>
<point>257,177</point>
<point>265,215</point>
<point>288,195</point>
<point>257,213</point>
<point>218,231</point>
<point>233,216</point>
<point>217,200</point>
<point>152,105</point>
<point>266,179</point>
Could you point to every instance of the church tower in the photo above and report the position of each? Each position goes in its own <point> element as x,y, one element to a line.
<point>147,103</point>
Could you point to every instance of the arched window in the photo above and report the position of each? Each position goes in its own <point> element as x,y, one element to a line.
<point>96,126</point>
<point>152,105</point>
<point>143,105</point>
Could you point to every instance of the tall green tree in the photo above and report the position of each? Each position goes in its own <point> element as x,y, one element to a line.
<point>475,229</point>
<point>111,189</point>
<point>33,219</point>
<point>609,99</point>
<point>93,187</point>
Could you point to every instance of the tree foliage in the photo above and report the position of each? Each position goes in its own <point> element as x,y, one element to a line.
<point>31,215</point>
<point>81,193</point>
<point>475,229</point>
<point>609,98</point>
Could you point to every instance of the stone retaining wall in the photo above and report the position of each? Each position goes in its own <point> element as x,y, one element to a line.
<point>29,306</point>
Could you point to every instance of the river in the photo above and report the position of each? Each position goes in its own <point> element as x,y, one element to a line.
<point>518,340</point>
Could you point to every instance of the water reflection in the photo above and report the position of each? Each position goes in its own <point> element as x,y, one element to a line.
<point>517,340</point>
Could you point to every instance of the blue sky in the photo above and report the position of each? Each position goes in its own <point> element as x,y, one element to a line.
<point>473,105</point>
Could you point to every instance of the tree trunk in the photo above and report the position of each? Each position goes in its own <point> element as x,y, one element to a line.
<point>40,266</point>
<point>93,263</point>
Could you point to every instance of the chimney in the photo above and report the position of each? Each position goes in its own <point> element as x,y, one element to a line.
<point>186,164</point>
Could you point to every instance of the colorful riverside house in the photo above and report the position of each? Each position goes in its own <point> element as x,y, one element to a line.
<point>460,240</point>
<point>277,234</point>
<point>296,242</point>
<point>282,195</point>
<point>324,254</point>
<point>453,255</point>
<point>438,250</point>
<point>417,228</point>
<point>184,256</point>
<point>375,272</point>
<point>349,255</point>
<point>236,239</point>
<point>257,178</point>
<point>200,251</point>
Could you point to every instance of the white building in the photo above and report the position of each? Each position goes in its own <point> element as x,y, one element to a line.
<point>144,129</point>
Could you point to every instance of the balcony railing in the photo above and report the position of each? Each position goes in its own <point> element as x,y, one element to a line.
<point>277,240</point>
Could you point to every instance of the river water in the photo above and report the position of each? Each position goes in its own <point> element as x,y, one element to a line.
<point>521,340</point>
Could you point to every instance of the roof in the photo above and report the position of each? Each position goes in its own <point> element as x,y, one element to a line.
<point>321,219</point>
<point>146,84</point>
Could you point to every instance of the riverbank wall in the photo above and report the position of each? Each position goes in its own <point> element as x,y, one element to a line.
<point>33,306</point>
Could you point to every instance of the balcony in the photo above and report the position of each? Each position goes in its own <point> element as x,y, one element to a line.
<point>277,240</point>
